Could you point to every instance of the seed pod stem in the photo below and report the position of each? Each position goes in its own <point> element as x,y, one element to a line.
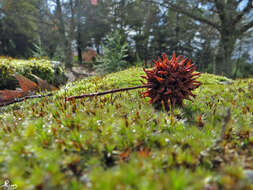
<point>106,92</point>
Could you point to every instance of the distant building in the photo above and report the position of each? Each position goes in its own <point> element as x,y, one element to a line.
<point>89,55</point>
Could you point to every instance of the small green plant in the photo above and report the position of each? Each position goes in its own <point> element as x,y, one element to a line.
<point>114,54</point>
<point>38,51</point>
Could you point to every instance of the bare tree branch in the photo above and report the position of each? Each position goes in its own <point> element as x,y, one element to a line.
<point>187,13</point>
<point>244,11</point>
<point>220,10</point>
<point>246,27</point>
<point>16,100</point>
<point>196,17</point>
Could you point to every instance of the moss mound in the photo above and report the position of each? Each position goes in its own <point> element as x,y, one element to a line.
<point>45,69</point>
<point>122,142</point>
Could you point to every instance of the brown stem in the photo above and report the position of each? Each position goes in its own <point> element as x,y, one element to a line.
<point>106,92</point>
<point>23,99</point>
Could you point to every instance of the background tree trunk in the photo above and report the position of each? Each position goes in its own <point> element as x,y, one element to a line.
<point>224,57</point>
<point>66,42</point>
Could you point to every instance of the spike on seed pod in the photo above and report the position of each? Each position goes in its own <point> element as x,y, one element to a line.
<point>171,81</point>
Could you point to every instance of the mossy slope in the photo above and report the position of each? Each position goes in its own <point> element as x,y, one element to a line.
<point>122,142</point>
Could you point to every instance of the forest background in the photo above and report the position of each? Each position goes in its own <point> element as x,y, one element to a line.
<point>216,34</point>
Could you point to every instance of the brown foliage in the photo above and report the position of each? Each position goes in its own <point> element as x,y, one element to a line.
<point>89,56</point>
<point>43,85</point>
<point>7,96</point>
<point>27,86</point>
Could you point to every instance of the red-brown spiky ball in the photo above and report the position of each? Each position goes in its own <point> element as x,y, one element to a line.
<point>171,81</point>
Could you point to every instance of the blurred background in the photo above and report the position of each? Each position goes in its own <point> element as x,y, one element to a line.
<point>217,35</point>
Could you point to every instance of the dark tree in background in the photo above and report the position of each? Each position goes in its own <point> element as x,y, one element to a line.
<point>210,32</point>
<point>18,27</point>
<point>226,16</point>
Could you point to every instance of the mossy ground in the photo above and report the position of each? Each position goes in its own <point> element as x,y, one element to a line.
<point>121,141</point>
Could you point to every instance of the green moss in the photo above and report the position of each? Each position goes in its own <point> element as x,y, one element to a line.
<point>120,141</point>
<point>42,68</point>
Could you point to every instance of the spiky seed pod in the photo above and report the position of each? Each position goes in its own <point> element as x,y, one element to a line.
<point>171,81</point>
